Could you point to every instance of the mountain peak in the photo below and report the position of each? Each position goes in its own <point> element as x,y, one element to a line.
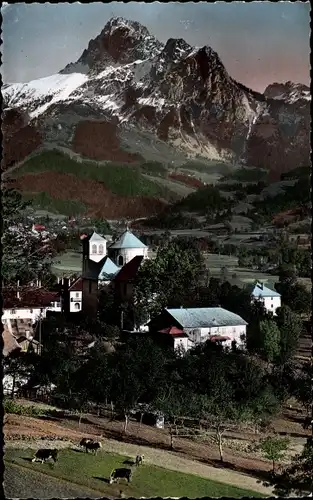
<point>288,91</point>
<point>121,41</point>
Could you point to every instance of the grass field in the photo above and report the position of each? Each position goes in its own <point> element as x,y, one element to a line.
<point>125,180</point>
<point>69,261</point>
<point>91,471</point>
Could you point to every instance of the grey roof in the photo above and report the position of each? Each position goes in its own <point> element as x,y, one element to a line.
<point>128,240</point>
<point>96,237</point>
<point>205,317</point>
<point>259,290</point>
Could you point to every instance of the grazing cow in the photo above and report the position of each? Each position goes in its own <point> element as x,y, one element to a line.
<point>93,446</point>
<point>84,441</point>
<point>139,460</point>
<point>44,454</point>
<point>120,474</point>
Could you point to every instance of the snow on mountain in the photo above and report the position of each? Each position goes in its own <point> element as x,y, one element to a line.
<point>180,94</point>
<point>289,92</point>
<point>38,95</point>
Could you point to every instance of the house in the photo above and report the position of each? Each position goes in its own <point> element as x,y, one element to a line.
<point>270,298</point>
<point>23,307</point>
<point>75,292</point>
<point>201,324</point>
<point>175,337</point>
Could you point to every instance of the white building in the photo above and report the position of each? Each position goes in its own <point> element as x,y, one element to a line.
<point>76,295</point>
<point>202,324</point>
<point>97,247</point>
<point>126,248</point>
<point>270,298</point>
<point>23,307</point>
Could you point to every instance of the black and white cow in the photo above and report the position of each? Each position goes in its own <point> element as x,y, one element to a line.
<point>93,446</point>
<point>139,460</point>
<point>44,454</point>
<point>84,441</point>
<point>117,474</point>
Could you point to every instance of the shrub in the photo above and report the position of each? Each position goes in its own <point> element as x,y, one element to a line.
<point>10,406</point>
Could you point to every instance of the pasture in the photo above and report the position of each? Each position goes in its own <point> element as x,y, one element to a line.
<point>244,275</point>
<point>92,472</point>
<point>69,261</point>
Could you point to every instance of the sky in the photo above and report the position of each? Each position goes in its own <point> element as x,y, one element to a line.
<point>259,43</point>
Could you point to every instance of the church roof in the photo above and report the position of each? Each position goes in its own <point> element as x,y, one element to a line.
<point>130,270</point>
<point>96,237</point>
<point>128,240</point>
<point>109,269</point>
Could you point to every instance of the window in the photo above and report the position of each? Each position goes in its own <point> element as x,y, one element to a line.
<point>31,311</point>
<point>271,298</point>
<point>77,294</point>
<point>101,249</point>
<point>272,305</point>
<point>120,260</point>
<point>77,306</point>
<point>94,249</point>
<point>13,311</point>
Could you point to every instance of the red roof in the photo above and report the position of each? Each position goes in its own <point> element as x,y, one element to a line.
<point>216,338</point>
<point>39,227</point>
<point>83,236</point>
<point>77,286</point>
<point>130,270</point>
<point>29,297</point>
<point>172,330</point>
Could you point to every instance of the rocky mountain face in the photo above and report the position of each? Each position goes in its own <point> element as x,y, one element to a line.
<point>127,81</point>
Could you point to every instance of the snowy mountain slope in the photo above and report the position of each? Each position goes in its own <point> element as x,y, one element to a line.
<point>289,92</point>
<point>181,95</point>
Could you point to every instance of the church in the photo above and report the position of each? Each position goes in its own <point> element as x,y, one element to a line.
<point>102,264</point>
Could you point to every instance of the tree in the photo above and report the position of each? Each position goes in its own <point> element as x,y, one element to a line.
<point>274,448</point>
<point>296,478</point>
<point>169,279</point>
<point>303,387</point>
<point>295,295</point>
<point>138,374</point>
<point>20,369</point>
<point>25,256</point>
<point>175,402</point>
<point>223,416</point>
<point>270,336</point>
<point>290,327</point>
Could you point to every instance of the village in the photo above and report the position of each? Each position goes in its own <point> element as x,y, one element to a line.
<point>115,266</point>
<point>156,304</point>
